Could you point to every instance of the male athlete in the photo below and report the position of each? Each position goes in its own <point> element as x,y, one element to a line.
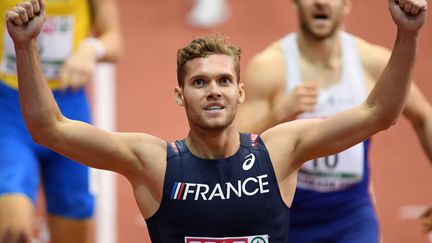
<point>216,184</point>
<point>314,73</point>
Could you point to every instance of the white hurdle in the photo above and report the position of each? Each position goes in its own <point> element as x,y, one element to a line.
<point>104,116</point>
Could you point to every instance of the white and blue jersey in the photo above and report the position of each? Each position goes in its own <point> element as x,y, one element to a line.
<point>330,187</point>
<point>236,199</point>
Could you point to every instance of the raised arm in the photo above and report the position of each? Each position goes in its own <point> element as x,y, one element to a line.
<point>267,103</point>
<point>307,139</point>
<point>77,140</point>
<point>262,81</point>
<point>418,109</point>
<point>107,28</point>
<point>106,46</point>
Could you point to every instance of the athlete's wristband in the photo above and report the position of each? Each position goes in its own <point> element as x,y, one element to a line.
<point>98,45</point>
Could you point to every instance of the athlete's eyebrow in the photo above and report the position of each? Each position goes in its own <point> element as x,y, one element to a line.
<point>218,76</point>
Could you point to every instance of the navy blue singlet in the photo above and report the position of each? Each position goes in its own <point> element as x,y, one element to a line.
<point>236,199</point>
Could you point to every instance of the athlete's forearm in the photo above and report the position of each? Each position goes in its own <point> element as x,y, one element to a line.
<point>38,106</point>
<point>423,129</point>
<point>389,95</point>
<point>107,28</point>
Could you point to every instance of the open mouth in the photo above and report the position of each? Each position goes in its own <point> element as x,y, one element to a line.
<point>213,108</point>
<point>320,16</point>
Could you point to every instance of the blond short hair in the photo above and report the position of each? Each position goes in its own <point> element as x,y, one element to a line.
<point>203,47</point>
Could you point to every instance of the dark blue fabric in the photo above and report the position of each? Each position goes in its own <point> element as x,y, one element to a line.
<point>258,209</point>
<point>310,199</point>
<point>350,223</point>
<point>346,216</point>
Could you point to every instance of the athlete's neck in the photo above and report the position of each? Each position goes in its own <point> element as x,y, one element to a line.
<point>324,52</point>
<point>213,145</point>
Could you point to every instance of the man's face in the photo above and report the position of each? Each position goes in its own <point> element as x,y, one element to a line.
<point>320,19</point>
<point>211,92</point>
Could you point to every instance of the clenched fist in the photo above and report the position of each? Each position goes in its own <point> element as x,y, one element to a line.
<point>25,21</point>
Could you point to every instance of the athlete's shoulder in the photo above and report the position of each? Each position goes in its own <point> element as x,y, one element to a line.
<point>374,57</point>
<point>267,66</point>
<point>145,146</point>
<point>270,54</point>
<point>365,46</point>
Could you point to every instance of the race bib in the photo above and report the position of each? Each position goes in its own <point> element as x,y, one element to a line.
<point>338,171</point>
<point>333,173</point>
<point>55,44</point>
<point>242,239</point>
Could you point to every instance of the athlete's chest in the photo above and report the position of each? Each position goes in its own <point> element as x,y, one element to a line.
<point>224,199</point>
<point>340,86</point>
<point>325,75</point>
<point>246,174</point>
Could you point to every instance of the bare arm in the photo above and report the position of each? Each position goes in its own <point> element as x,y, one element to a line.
<point>309,139</point>
<point>106,46</point>
<point>262,82</point>
<point>123,153</point>
<point>267,103</point>
<point>418,110</point>
<point>107,28</point>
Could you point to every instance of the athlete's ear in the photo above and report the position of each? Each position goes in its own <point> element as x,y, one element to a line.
<point>242,94</point>
<point>347,7</point>
<point>179,96</point>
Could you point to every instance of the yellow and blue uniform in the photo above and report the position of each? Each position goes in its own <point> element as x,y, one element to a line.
<point>23,164</point>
